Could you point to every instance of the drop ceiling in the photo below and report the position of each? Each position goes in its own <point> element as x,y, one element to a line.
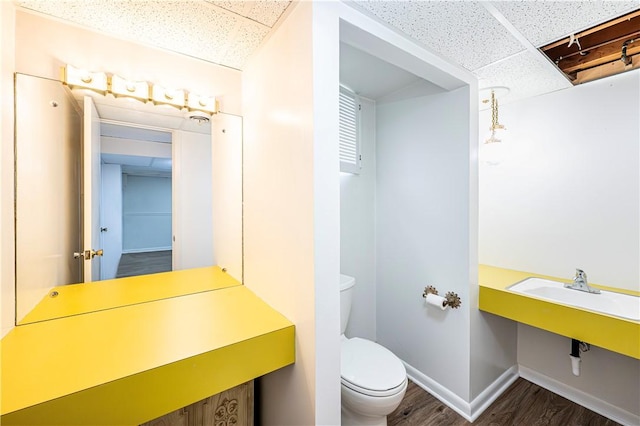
<point>497,41</point>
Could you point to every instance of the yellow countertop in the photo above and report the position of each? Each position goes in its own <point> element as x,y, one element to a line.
<point>78,299</point>
<point>128,365</point>
<point>602,330</point>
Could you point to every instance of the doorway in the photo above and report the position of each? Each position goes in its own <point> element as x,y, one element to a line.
<point>136,205</point>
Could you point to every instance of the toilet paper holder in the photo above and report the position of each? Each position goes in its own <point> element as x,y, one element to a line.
<point>451,299</point>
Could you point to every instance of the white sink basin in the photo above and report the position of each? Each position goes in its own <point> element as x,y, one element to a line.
<point>607,302</point>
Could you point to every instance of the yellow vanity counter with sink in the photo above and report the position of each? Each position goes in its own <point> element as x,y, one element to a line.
<point>127,365</point>
<point>602,330</point>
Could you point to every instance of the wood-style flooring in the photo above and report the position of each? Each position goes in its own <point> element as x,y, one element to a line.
<point>522,404</point>
<point>133,264</point>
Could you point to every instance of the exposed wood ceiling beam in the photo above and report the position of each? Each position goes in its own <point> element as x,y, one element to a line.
<point>597,46</point>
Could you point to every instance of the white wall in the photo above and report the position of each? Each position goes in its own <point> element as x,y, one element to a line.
<point>567,194</point>
<point>609,383</point>
<point>44,45</point>
<point>7,258</point>
<point>423,233</point>
<point>110,145</point>
<point>111,217</point>
<point>357,229</point>
<point>146,210</point>
<point>291,207</point>
<point>192,180</point>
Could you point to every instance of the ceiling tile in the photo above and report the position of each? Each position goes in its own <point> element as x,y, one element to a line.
<point>193,28</point>
<point>266,12</point>
<point>464,32</point>
<point>542,22</point>
<point>525,76</point>
<point>246,38</point>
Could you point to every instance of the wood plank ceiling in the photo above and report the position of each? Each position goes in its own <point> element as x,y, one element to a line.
<point>606,49</point>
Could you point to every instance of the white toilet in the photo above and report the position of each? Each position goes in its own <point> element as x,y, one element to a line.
<point>374,380</point>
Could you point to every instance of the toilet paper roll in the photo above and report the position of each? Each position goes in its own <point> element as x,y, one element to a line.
<point>435,300</point>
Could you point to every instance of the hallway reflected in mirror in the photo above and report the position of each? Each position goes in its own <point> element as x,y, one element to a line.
<point>132,264</point>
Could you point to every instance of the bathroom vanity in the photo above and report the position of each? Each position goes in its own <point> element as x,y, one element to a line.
<point>615,333</point>
<point>131,363</point>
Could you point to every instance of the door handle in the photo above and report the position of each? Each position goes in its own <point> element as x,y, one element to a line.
<point>103,229</point>
<point>88,254</point>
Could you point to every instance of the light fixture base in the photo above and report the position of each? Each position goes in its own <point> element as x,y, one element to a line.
<point>199,117</point>
<point>485,95</point>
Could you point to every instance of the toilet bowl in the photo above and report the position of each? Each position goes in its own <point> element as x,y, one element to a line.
<point>373,379</point>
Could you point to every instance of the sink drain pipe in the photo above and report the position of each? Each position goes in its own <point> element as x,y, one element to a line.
<point>576,347</point>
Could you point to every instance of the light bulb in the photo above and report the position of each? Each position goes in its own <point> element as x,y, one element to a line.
<point>492,150</point>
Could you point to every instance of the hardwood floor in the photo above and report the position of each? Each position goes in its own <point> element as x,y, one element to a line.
<point>133,264</point>
<point>522,404</point>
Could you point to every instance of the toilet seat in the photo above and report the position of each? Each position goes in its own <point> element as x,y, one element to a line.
<point>371,369</point>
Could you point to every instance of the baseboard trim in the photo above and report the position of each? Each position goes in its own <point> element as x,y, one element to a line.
<point>493,391</point>
<point>445,396</point>
<point>470,411</point>
<point>146,250</point>
<point>588,401</point>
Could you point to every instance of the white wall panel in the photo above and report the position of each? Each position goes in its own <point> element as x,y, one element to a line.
<point>291,206</point>
<point>423,233</point>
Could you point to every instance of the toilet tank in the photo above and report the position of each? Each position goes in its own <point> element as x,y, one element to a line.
<point>346,296</point>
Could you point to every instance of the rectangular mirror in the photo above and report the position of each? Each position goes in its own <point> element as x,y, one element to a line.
<point>108,188</point>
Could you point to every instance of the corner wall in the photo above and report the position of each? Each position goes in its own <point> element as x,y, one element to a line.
<point>291,207</point>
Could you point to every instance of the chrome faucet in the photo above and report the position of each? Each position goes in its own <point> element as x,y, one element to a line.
<point>580,283</point>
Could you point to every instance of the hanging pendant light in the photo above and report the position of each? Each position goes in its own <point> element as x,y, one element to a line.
<point>491,151</point>
<point>496,128</point>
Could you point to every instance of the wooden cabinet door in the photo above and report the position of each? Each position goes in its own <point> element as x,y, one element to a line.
<point>233,407</point>
<point>175,418</point>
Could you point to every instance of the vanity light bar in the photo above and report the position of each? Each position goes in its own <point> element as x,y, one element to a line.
<point>83,79</point>
<point>161,95</point>
<point>132,89</point>
<point>202,103</point>
<point>77,78</point>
